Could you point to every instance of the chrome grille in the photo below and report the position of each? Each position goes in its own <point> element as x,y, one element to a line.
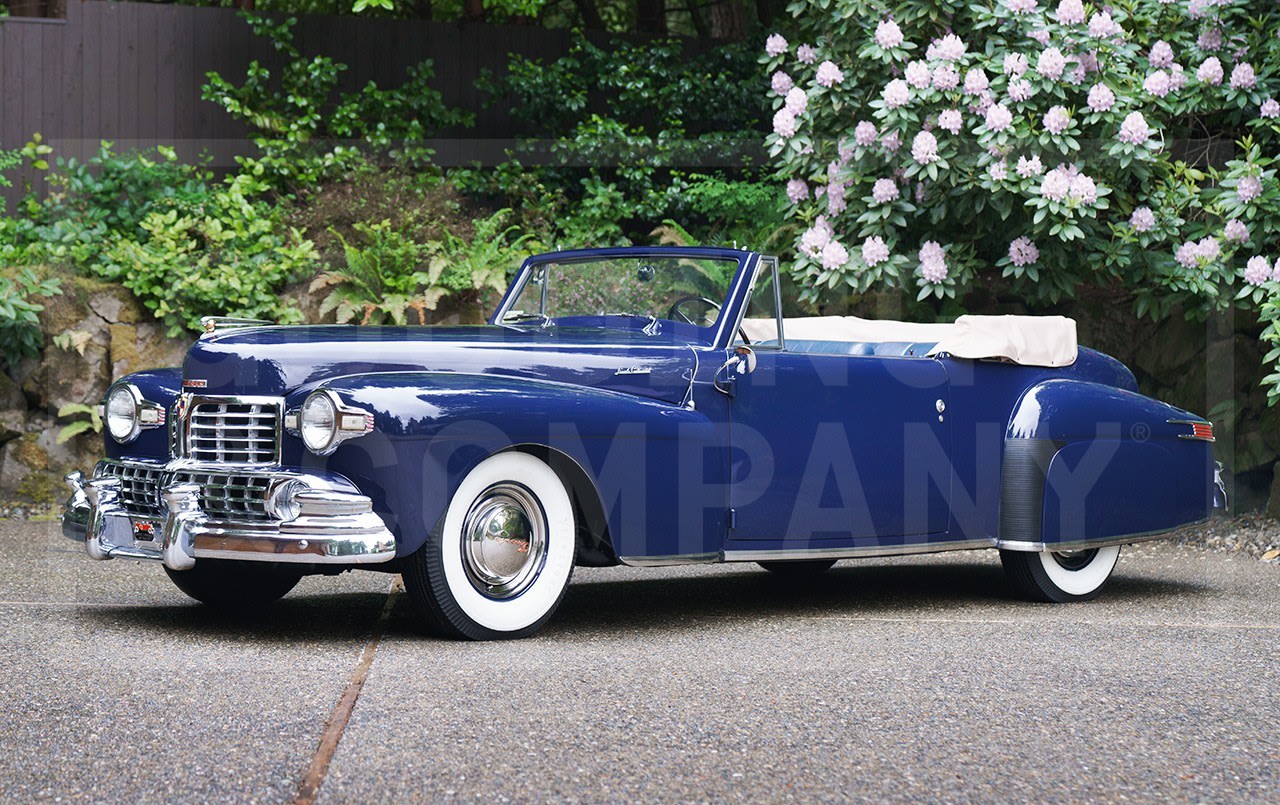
<point>235,497</point>
<point>242,433</point>
<point>139,487</point>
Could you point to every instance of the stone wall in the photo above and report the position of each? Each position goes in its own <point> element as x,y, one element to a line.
<point>112,336</point>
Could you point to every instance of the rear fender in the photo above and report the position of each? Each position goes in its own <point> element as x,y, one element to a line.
<point>1090,463</point>
<point>431,429</point>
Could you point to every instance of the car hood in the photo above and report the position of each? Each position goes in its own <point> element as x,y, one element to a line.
<point>276,361</point>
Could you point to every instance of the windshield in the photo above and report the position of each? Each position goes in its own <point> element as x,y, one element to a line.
<point>632,292</point>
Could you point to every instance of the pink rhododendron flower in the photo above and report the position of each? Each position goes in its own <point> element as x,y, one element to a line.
<point>918,75</point>
<point>816,237</point>
<point>797,190</point>
<point>888,34</point>
<point>1056,120</point>
<point>1199,8</point>
<point>884,191</point>
<point>1187,255</point>
<point>828,74</point>
<point>797,101</point>
<point>1019,90</point>
<point>775,45</point>
<point>896,93</point>
<point>1041,36</point>
<point>1236,231</point>
<point>924,148</point>
<point>976,82</point>
<point>1015,64</point>
<point>1210,71</point>
<point>874,251</point>
<point>1070,12</point>
<point>891,141</point>
<point>1083,189</point>
<point>1142,220</point>
<point>1243,76</point>
<point>998,117</point>
<point>1101,98</point>
<point>784,123</point>
<point>982,103</point>
<point>1023,252</point>
<point>1022,6</point>
<point>806,54</point>
<point>1257,270</point>
<point>933,262</point>
<point>781,83</point>
<point>1161,54</point>
<point>1051,63</point>
<point>946,77</point>
<point>1134,130</point>
<point>1209,248</point>
<point>1270,108</point>
<point>948,48</point>
<point>1077,75</point>
<point>951,120</point>
<point>1102,26</point>
<point>1158,84</point>
<point>864,133</point>
<point>834,255</point>
<point>998,171</point>
<point>1177,77</point>
<point>919,192</point>
<point>1029,166</point>
<point>1210,39</point>
<point>1249,188</point>
<point>836,203</point>
<point>1055,185</point>
<point>1275,272</point>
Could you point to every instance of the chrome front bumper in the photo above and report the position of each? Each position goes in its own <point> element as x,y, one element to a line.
<point>333,528</point>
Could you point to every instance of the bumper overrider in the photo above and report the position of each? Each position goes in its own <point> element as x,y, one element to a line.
<point>331,526</point>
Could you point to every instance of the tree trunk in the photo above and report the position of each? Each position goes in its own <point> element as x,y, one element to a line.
<point>728,20</point>
<point>651,16</point>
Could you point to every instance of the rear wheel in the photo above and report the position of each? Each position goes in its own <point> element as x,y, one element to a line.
<point>804,569</point>
<point>235,585</point>
<point>501,562</point>
<point>1060,576</point>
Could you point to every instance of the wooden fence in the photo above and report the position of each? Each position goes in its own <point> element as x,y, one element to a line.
<point>132,73</point>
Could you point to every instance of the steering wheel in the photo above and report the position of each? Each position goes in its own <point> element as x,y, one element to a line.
<point>674,311</point>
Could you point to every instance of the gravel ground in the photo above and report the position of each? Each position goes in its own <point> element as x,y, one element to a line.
<point>895,679</point>
<point>1250,534</point>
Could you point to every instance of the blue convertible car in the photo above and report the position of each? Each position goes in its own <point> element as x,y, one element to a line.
<point>647,407</point>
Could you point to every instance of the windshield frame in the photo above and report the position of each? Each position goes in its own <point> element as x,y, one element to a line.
<point>717,334</point>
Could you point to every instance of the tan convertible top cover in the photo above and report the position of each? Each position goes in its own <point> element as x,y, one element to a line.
<point>1026,340</point>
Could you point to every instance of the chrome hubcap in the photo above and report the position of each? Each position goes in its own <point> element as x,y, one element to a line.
<point>504,540</point>
<point>1074,560</point>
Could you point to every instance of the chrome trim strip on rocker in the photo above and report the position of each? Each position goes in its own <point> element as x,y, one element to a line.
<point>1086,544</point>
<point>671,560</point>
<point>333,527</point>
<point>865,551</point>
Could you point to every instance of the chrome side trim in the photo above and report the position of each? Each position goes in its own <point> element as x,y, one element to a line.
<point>1085,544</point>
<point>670,560</point>
<point>856,552</point>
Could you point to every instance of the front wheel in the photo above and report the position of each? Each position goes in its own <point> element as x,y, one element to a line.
<point>1060,576</point>
<point>501,562</point>
<point>230,584</point>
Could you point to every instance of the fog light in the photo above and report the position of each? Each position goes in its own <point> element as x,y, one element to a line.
<point>282,503</point>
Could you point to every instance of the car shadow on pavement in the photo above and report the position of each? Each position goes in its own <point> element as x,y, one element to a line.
<point>892,591</point>
<point>293,619</point>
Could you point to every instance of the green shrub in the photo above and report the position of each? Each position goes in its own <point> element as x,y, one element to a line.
<point>306,131</point>
<point>185,245</point>
<point>20,335</point>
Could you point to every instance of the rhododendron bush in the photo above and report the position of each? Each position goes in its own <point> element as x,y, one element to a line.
<point>1040,147</point>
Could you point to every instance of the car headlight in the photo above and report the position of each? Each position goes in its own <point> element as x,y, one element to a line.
<point>324,422</point>
<point>122,412</point>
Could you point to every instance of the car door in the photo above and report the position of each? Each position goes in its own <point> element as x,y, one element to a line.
<point>837,450</point>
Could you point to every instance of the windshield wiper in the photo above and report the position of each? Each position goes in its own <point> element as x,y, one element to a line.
<point>515,317</point>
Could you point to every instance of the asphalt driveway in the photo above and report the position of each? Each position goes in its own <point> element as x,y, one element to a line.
<point>915,678</point>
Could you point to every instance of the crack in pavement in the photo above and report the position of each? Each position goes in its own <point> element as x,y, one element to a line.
<point>309,786</point>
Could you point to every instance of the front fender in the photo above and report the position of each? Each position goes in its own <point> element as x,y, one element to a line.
<point>1087,462</point>
<point>431,429</point>
<point>159,386</point>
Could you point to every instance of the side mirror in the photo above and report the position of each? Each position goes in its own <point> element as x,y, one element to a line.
<point>745,358</point>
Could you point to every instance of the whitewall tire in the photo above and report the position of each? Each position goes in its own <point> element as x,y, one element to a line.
<point>1060,576</point>
<point>500,563</point>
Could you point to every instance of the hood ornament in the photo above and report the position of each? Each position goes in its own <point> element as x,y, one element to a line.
<point>212,324</point>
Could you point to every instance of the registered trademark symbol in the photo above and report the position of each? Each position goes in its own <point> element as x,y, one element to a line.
<point>1140,432</point>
